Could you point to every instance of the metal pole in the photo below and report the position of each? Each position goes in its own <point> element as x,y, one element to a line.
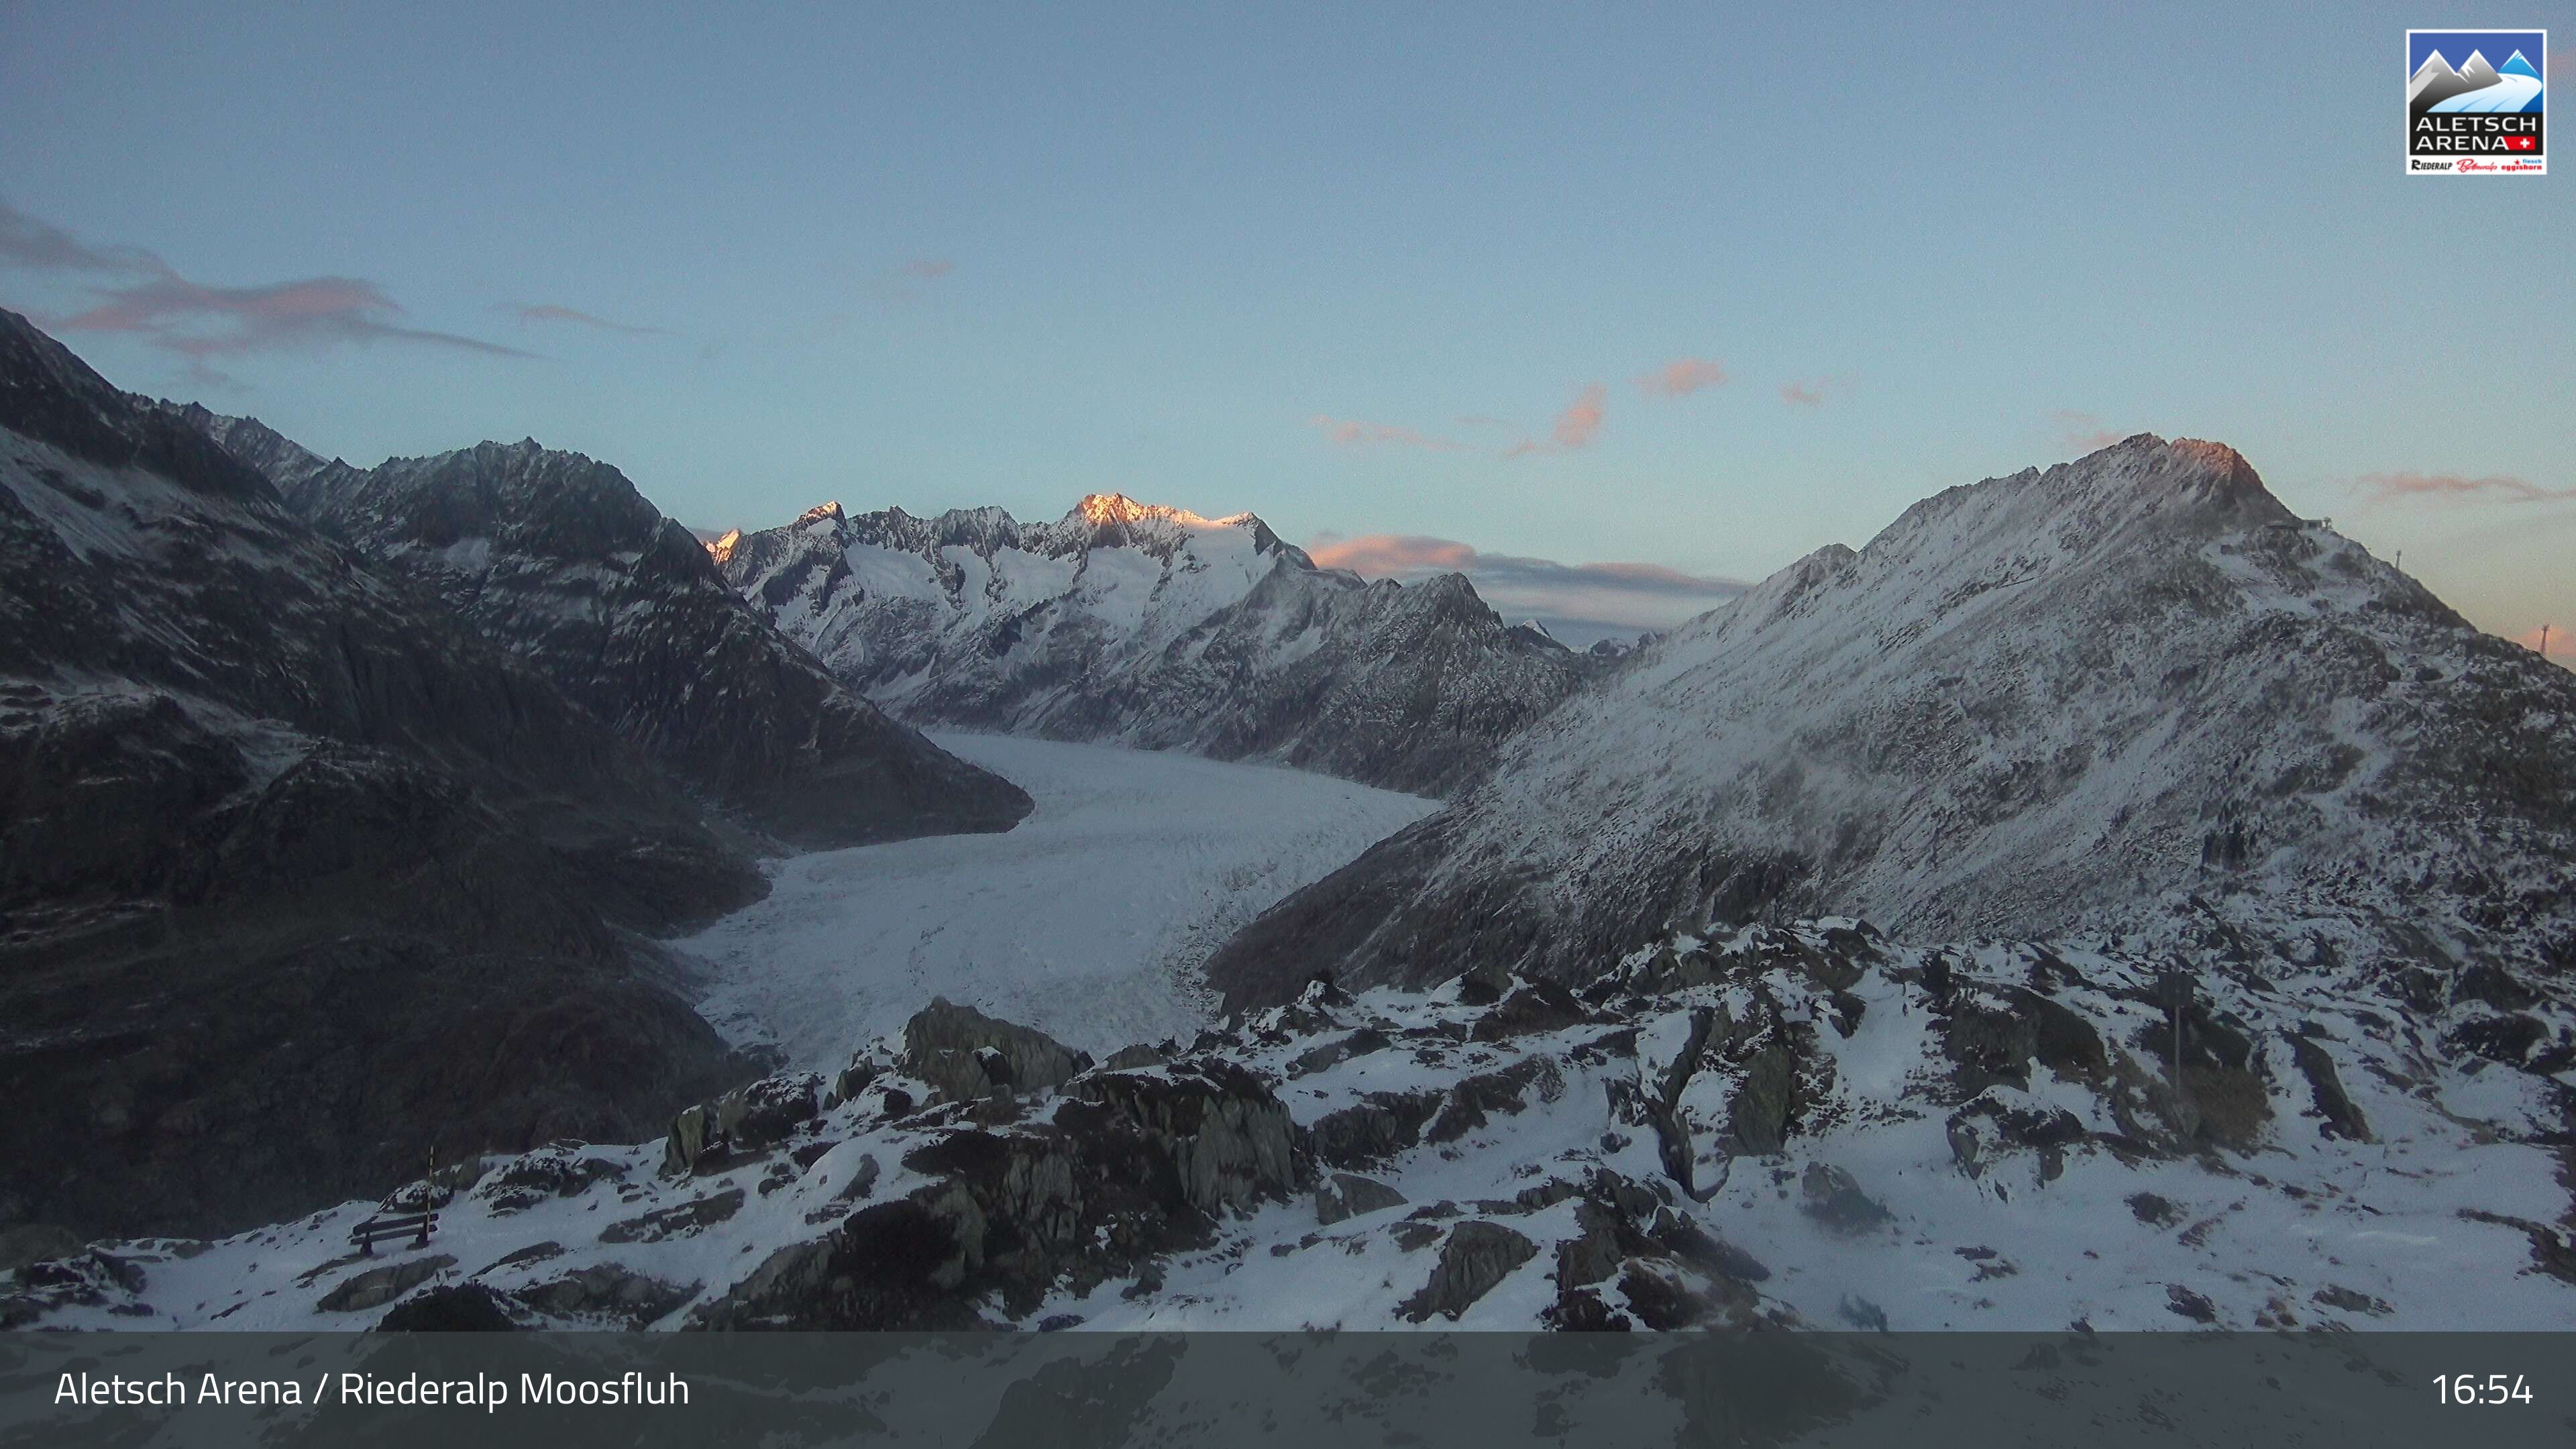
<point>429,1193</point>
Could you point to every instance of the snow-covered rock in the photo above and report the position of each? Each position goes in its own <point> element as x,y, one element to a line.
<point>1800,1125</point>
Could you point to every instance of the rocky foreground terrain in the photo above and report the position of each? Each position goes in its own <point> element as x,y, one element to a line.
<point>1795,1125</point>
<point>1146,625</point>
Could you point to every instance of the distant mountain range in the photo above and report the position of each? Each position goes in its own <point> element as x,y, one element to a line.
<point>1148,625</point>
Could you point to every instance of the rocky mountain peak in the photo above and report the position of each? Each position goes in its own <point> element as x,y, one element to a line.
<point>2049,701</point>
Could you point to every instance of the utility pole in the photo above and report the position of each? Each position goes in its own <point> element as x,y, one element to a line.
<point>2174,992</point>
<point>2544,641</point>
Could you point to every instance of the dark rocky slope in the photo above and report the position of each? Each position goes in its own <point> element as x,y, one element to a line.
<point>298,875</point>
<point>556,557</point>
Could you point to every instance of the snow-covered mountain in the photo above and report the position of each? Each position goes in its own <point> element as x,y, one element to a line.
<point>292,862</point>
<point>1152,626</point>
<point>2132,694</point>
<point>1802,1125</point>
<point>557,557</point>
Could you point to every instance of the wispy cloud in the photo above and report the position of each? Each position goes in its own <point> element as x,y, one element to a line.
<point>1356,433</point>
<point>908,281</point>
<point>2457,488</point>
<point>1683,376</point>
<point>1392,555</point>
<point>134,291</point>
<point>1576,427</point>
<point>2082,432</point>
<point>550,312</point>
<point>200,321</point>
<point>29,242</point>
<point>1606,597</point>
<point>1810,393</point>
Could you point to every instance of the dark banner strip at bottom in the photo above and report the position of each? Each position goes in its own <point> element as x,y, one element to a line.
<point>560,1391</point>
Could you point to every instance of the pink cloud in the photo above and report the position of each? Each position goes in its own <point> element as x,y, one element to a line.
<point>2082,432</point>
<point>1576,427</point>
<point>926,269</point>
<point>1803,394</point>
<point>1355,433</point>
<point>140,293</point>
<point>549,312</point>
<point>1388,555</point>
<point>1682,376</point>
<point>201,321</point>
<point>2561,645</point>
<point>2456,488</point>
<point>1599,596</point>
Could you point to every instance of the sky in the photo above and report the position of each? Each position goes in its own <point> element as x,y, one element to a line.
<point>1686,291</point>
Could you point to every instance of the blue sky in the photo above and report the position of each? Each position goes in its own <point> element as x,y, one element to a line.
<point>1373,272</point>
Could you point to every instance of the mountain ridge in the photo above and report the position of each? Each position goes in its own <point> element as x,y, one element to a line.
<point>297,873</point>
<point>1152,626</point>
<point>557,556</point>
<point>2035,704</point>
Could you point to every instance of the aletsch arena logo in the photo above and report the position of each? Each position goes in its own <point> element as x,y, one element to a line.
<point>2474,102</point>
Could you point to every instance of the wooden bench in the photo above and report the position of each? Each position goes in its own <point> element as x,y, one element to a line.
<point>377,1229</point>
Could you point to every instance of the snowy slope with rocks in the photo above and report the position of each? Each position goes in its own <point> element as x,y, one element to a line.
<point>2132,693</point>
<point>1795,1125</point>
<point>1147,625</point>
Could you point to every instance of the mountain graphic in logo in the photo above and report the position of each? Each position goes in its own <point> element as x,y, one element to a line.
<point>2477,87</point>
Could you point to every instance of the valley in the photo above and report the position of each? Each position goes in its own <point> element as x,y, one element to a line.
<point>1088,920</point>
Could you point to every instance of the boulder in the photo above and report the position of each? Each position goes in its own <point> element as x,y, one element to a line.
<point>377,1287</point>
<point>1376,1127</point>
<point>607,1291</point>
<point>672,1222</point>
<point>1484,983</point>
<point>36,1243</point>
<point>1477,1256</point>
<point>2342,1116</point>
<point>964,1054</point>
<point>450,1308</point>
<point>1834,1199</point>
<point>745,1119</point>
<point>1537,1006</point>
<point>1348,1195</point>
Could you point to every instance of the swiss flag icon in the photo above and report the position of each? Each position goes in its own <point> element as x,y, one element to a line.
<point>2521,143</point>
